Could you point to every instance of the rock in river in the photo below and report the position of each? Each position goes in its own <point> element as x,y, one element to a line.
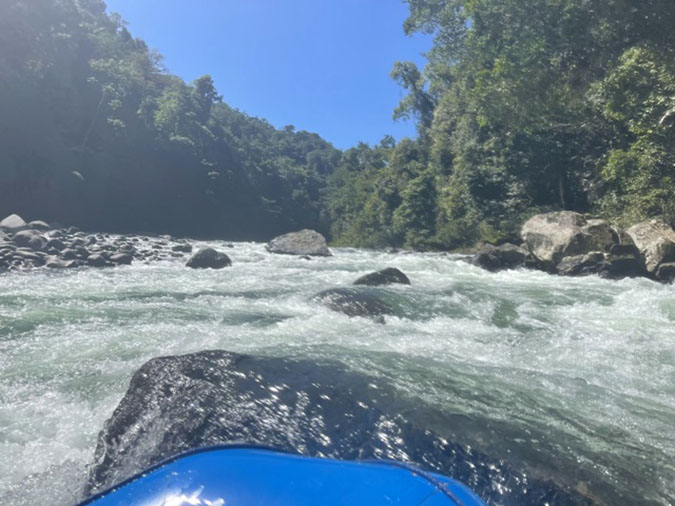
<point>497,258</point>
<point>550,237</point>
<point>305,242</point>
<point>388,276</point>
<point>208,258</point>
<point>656,241</point>
<point>354,302</point>
<point>177,403</point>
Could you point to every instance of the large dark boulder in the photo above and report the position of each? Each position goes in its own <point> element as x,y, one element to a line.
<point>174,404</point>
<point>666,272</point>
<point>607,265</point>
<point>497,258</point>
<point>304,242</point>
<point>656,241</point>
<point>354,302</point>
<point>388,276</point>
<point>208,258</point>
<point>580,265</point>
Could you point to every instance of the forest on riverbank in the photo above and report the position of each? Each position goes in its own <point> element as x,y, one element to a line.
<point>94,132</point>
<point>524,106</point>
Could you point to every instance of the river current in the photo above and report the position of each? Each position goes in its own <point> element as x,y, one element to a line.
<point>570,380</point>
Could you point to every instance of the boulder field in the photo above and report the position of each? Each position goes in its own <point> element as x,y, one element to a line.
<point>27,245</point>
<point>570,244</point>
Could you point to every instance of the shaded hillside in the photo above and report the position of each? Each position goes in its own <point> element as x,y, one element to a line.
<point>94,132</point>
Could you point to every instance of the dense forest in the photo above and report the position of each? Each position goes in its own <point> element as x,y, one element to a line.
<point>94,132</point>
<point>523,106</point>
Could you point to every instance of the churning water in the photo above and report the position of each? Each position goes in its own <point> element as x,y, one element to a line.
<point>570,380</point>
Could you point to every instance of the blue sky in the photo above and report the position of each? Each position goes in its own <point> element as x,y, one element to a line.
<point>321,65</point>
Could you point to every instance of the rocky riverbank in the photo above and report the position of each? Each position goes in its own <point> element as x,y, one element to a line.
<point>570,244</point>
<point>36,244</point>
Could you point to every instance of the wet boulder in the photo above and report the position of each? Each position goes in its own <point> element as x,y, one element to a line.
<point>388,276</point>
<point>304,242</point>
<point>655,239</point>
<point>354,302</point>
<point>209,258</point>
<point>497,258</point>
<point>550,237</point>
<point>177,403</point>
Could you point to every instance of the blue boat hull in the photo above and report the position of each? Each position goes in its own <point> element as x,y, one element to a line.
<point>248,476</point>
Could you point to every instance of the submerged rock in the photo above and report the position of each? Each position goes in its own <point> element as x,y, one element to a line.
<point>388,276</point>
<point>304,242</point>
<point>177,403</point>
<point>354,302</point>
<point>208,258</point>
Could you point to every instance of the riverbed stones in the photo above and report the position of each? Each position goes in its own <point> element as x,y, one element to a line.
<point>55,244</point>
<point>388,276</point>
<point>305,242</point>
<point>182,248</point>
<point>655,240</point>
<point>96,260</point>
<point>53,262</point>
<point>209,258</point>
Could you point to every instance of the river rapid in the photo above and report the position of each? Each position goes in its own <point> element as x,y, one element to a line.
<point>570,380</point>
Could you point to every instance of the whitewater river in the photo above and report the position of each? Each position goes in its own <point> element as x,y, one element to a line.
<point>570,380</point>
